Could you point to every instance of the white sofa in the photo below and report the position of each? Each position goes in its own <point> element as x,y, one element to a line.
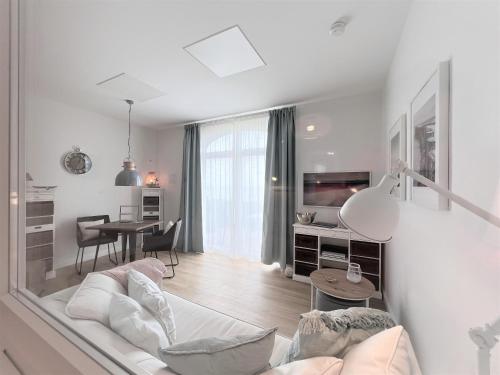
<point>193,322</point>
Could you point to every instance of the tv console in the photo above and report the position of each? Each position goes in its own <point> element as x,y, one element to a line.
<point>318,247</point>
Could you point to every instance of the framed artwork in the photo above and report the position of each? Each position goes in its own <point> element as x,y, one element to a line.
<point>397,151</point>
<point>429,135</point>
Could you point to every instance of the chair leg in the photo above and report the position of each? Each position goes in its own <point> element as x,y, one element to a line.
<point>95,258</point>
<point>176,258</point>
<point>116,256</point>
<point>171,265</point>
<point>109,256</point>
<point>156,255</point>
<point>77,256</point>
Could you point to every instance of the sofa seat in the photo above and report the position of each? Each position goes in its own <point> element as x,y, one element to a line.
<point>192,321</point>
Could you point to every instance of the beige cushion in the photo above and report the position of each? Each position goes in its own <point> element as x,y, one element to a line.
<point>88,234</point>
<point>311,366</point>
<point>389,352</point>
<point>92,299</point>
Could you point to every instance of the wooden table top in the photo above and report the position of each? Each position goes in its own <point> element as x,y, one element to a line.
<point>126,227</point>
<point>334,283</point>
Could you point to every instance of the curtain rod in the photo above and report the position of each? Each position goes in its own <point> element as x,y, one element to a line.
<point>249,113</point>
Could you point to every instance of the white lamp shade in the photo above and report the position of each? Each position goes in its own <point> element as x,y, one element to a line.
<point>372,212</point>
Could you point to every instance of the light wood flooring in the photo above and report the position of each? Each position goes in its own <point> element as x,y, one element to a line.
<point>240,288</point>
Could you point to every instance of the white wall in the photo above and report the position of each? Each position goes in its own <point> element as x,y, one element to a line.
<point>52,129</point>
<point>349,127</point>
<point>443,268</point>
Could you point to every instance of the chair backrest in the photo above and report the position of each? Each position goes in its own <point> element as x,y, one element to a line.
<point>178,225</point>
<point>84,219</point>
<point>129,213</point>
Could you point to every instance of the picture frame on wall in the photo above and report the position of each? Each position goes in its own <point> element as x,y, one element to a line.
<point>397,151</point>
<point>429,137</point>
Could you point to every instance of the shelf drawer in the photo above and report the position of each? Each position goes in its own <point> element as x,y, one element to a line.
<point>40,228</point>
<point>36,221</point>
<point>39,238</point>
<point>374,279</point>
<point>366,249</point>
<point>305,255</point>
<point>39,252</point>
<point>304,240</point>
<point>39,209</point>
<point>304,269</point>
<point>367,265</point>
<point>152,217</point>
<point>151,201</point>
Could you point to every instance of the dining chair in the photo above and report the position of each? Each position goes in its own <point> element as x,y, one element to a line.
<point>164,241</point>
<point>100,238</point>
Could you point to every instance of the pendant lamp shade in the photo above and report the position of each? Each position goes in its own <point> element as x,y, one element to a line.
<point>129,175</point>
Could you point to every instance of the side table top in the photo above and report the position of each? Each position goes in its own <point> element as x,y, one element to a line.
<point>333,282</point>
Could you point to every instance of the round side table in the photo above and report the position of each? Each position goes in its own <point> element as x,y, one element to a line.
<point>333,282</point>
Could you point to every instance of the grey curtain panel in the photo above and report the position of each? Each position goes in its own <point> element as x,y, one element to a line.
<point>279,194</point>
<point>191,234</point>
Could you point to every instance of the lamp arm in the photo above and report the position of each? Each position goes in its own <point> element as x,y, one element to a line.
<point>488,216</point>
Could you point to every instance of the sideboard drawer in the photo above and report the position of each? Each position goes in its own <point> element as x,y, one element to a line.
<point>304,240</point>
<point>306,255</point>
<point>36,221</point>
<point>39,209</point>
<point>39,238</point>
<point>39,252</point>
<point>366,249</point>
<point>40,228</point>
<point>367,265</point>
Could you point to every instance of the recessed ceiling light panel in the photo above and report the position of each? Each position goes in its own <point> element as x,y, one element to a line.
<point>123,86</point>
<point>226,53</point>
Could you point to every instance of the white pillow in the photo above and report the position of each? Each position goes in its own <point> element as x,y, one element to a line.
<point>388,352</point>
<point>134,323</point>
<point>88,234</point>
<point>168,226</point>
<point>145,291</point>
<point>310,366</point>
<point>92,299</point>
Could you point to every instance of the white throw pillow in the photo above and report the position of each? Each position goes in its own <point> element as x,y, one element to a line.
<point>310,366</point>
<point>388,352</point>
<point>92,299</point>
<point>145,291</point>
<point>88,234</point>
<point>134,323</point>
<point>168,226</point>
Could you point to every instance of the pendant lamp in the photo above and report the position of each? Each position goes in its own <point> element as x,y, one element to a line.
<point>129,175</point>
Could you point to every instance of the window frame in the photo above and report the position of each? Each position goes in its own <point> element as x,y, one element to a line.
<point>114,363</point>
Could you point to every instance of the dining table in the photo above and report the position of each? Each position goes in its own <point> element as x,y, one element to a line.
<point>129,230</point>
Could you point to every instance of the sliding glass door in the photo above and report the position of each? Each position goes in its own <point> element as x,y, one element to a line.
<point>233,156</point>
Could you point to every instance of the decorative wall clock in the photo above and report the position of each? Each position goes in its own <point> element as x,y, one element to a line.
<point>77,162</point>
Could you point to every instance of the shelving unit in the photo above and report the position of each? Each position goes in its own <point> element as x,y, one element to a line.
<point>310,242</point>
<point>152,206</point>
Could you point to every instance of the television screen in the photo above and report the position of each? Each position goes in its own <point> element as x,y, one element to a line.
<point>333,189</point>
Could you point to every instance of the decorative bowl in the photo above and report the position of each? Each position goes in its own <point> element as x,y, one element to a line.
<point>306,218</point>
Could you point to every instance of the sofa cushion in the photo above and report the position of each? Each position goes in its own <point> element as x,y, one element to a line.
<point>237,355</point>
<point>151,267</point>
<point>389,352</point>
<point>332,333</point>
<point>311,366</point>
<point>92,299</point>
<point>134,323</point>
<point>143,290</point>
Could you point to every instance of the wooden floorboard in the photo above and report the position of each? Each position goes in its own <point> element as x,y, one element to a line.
<point>249,291</point>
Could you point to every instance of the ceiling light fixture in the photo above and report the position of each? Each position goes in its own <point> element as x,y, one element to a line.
<point>310,128</point>
<point>129,175</point>
<point>338,27</point>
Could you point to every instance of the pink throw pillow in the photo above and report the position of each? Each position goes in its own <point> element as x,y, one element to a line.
<point>151,267</point>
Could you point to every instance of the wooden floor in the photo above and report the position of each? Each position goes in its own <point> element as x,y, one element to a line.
<point>246,290</point>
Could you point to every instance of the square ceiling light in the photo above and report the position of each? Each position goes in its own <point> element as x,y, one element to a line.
<point>226,53</point>
<point>123,86</point>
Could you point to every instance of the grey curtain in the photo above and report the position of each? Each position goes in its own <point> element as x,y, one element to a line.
<point>191,234</point>
<point>279,194</point>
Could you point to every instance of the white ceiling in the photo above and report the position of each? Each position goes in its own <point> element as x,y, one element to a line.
<point>75,44</point>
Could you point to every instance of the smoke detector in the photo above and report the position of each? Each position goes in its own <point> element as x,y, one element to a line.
<point>338,27</point>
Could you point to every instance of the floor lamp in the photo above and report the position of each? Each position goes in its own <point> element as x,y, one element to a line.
<point>374,214</point>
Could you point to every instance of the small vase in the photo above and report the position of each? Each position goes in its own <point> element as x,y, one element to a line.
<point>354,273</point>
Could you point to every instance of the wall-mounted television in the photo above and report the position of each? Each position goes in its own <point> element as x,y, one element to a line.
<point>334,188</point>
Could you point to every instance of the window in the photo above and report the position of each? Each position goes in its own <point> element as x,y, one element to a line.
<point>233,154</point>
